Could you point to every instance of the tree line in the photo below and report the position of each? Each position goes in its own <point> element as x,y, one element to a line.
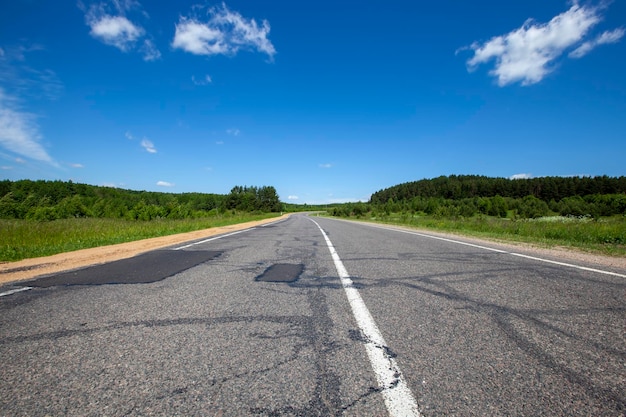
<point>468,195</point>
<point>51,200</point>
<point>264,199</point>
<point>457,187</point>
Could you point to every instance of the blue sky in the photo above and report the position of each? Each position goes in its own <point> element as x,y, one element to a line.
<point>327,101</point>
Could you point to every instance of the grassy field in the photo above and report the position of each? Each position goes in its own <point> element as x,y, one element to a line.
<point>606,236</point>
<point>21,239</point>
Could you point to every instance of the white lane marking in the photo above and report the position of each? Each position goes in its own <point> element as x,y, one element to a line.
<point>226,235</point>
<point>584,268</point>
<point>272,223</point>
<point>2,294</point>
<point>213,238</point>
<point>398,397</point>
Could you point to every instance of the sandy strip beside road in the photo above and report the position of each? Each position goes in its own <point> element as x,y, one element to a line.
<point>35,267</point>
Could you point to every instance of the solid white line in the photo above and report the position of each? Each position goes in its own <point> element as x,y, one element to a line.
<point>408,232</point>
<point>398,397</point>
<point>534,258</point>
<point>213,238</point>
<point>2,294</point>
<point>584,268</point>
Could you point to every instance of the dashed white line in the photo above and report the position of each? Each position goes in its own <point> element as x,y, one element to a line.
<point>2,294</point>
<point>398,397</point>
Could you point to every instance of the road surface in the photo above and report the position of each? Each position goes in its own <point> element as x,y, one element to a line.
<point>312,316</point>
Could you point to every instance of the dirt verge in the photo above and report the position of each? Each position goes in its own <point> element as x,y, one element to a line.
<point>36,267</point>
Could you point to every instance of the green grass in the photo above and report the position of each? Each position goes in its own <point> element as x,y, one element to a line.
<point>606,236</point>
<point>21,239</point>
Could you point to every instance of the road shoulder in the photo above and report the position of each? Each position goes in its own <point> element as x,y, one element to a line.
<point>47,265</point>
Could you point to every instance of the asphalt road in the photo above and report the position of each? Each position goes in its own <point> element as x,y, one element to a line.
<point>293,319</point>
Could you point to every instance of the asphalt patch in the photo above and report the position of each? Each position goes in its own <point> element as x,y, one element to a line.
<point>142,269</point>
<point>281,273</point>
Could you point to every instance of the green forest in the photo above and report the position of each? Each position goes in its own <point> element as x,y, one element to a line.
<point>55,200</point>
<point>445,196</point>
<point>39,218</point>
<point>471,195</point>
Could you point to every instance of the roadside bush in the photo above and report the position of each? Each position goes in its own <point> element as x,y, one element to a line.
<point>532,207</point>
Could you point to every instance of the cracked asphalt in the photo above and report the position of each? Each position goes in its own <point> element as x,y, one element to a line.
<point>223,329</point>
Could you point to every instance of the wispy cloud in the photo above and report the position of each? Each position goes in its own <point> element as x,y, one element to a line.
<point>148,146</point>
<point>225,33</point>
<point>109,24</point>
<point>325,166</point>
<point>206,80</point>
<point>612,36</point>
<point>520,176</point>
<point>23,80</point>
<point>165,184</point>
<point>77,166</point>
<point>529,53</point>
<point>19,131</point>
<point>145,143</point>
<point>292,197</point>
<point>150,51</point>
<point>233,132</point>
<point>19,83</point>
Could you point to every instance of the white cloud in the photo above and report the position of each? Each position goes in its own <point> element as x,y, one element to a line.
<point>520,176</point>
<point>109,24</point>
<point>19,132</point>
<point>326,166</point>
<point>6,168</point>
<point>198,39</point>
<point>292,197</point>
<point>148,146</point>
<point>164,184</point>
<point>77,165</point>
<point>117,31</point>
<point>528,54</point>
<point>612,36</point>
<point>225,33</point>
<point>202,81</point>
<point>233,132</point>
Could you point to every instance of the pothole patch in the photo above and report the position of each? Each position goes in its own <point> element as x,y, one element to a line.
<point>281,273</point>
<point>142,269</point>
